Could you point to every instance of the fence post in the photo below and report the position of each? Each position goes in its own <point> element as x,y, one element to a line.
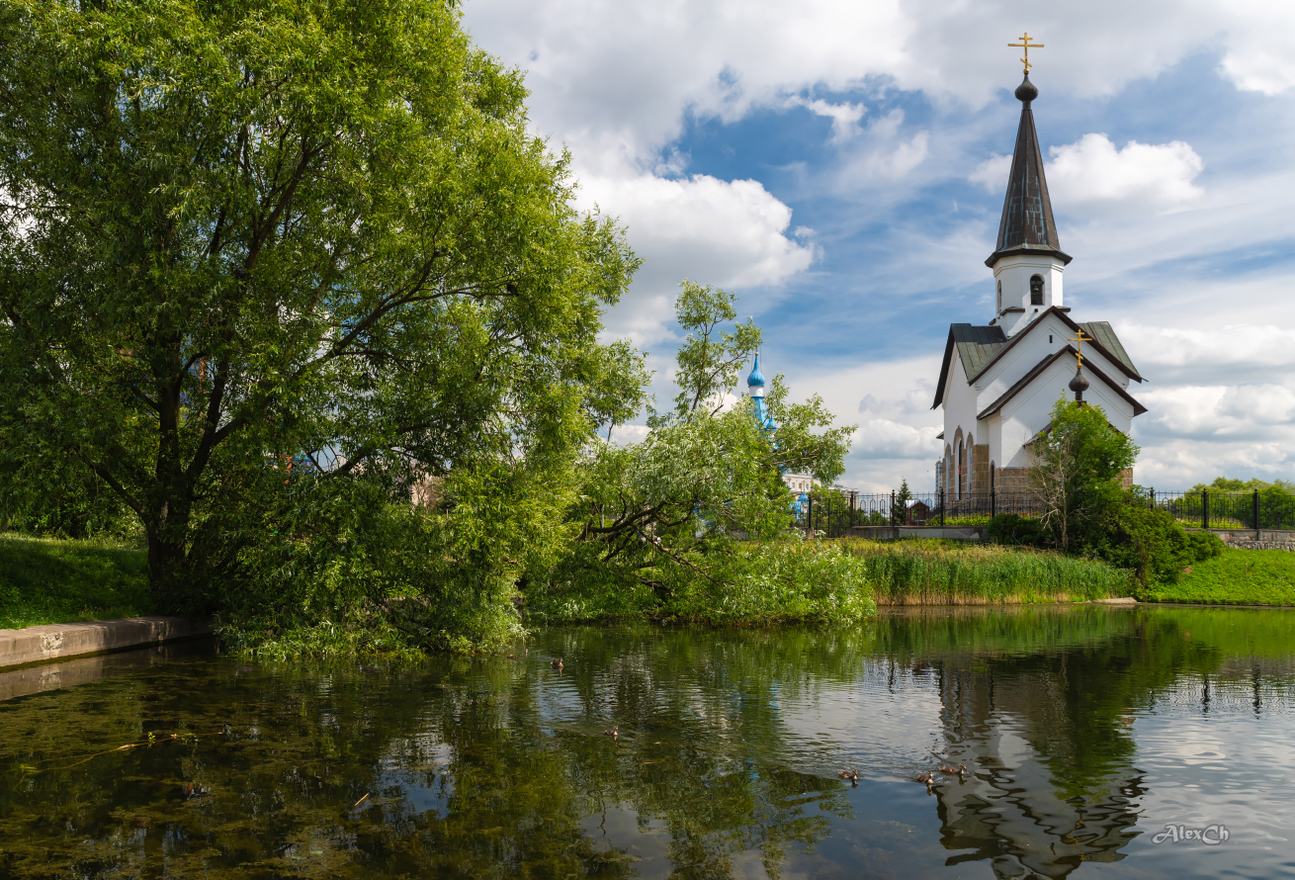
<point>1205,508</point>
<point>941,507</point>
<point>993,503</point>
<point>1256,514</point>
<point>894,518</point>
<point>1153,497</point>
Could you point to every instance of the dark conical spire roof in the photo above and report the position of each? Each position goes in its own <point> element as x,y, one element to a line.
<point>1027,226</point>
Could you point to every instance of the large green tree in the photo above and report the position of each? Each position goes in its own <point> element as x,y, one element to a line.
<point>239,234</point>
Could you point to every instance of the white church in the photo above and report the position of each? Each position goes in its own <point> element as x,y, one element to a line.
<point>999,381</point>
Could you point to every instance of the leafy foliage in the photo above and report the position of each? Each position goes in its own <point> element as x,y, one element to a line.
<point>1078,470</point>
<point>1152,544</point>
<point>663,518</point>
<point>238,237</point>
<point>1016,530</point>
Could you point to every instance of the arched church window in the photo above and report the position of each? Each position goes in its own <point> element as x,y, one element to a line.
<point>1000,296</point>
<point>1036,290</point>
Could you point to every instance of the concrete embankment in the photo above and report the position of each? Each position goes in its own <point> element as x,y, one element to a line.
<point>41,644</point>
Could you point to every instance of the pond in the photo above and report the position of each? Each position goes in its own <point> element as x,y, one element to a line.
<point>1121,742</point>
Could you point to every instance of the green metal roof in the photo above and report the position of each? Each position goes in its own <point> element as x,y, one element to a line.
<point>1106,338</point>
<point>977,345</point>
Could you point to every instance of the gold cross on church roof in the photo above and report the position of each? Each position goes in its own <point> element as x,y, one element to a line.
<point>1080,338</point>
<point>1027,46</point>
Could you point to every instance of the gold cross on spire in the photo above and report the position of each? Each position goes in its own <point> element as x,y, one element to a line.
<point>1080,338</point>
<point>1027,46</point>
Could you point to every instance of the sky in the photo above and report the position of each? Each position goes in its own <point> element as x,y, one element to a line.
<point>841,167</point>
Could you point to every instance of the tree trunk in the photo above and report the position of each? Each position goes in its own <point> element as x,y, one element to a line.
<point>166,568</point>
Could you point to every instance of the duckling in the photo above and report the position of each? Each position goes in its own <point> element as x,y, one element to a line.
<point>611,731</point>
<point>556,663</point>
<point>953,771</point>
<point>851,774</point>
<point>928,778</point>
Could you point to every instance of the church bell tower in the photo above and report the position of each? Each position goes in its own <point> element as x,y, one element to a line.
<point>1028,261</point>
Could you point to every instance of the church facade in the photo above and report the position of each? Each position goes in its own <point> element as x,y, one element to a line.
<point>999,381</point>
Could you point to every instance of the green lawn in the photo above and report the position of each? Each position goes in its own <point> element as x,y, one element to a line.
<point>1237,577</point>
<point>52,580</point>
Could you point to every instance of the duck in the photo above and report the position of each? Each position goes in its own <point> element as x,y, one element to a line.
<point>612,731</point>
<point>928,778</point>
<point>851,774</point>
<point>556,663</point>
<point>953,771</point>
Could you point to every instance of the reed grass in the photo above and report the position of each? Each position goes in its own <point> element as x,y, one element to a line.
<point>923,571</point>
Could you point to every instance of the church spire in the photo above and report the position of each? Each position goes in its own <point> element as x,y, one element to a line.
<point>1027,227</point>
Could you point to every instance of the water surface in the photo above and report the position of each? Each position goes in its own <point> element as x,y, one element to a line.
<point>1086,731</point>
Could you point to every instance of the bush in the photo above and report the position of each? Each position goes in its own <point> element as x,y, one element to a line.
<point>1204,545</point>
<point>348,566</point>
<point>1014,529</point>
<point>755,582</point>
<point>1151,543</point>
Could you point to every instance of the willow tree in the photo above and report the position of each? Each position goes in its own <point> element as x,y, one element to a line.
<point>239,234</point>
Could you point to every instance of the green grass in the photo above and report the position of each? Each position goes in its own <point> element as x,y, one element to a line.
<point>57,580</point>
<point>1236,577</point>
<point>933,572</point>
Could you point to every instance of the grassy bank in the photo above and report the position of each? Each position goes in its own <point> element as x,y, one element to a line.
<point>934,572</point>
<point>53,580</point>
<point>1236,577</point>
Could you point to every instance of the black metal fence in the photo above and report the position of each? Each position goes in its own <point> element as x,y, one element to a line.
<point>835,513</point>
<point>1261,509</point>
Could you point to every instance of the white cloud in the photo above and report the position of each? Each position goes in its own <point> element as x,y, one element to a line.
<point>1260,56</point>
<point>890,401</point>
<point>618,80</point>
<point>883,438</point>
<point>628,435</point>
<point>1093,173</point>
<point>1259,404</point>
<point>1092,170</point>
<point>884,155</point>
<point>845,117</point>
<point>992,173</point>
<point>728,233</point>
<point>1191,356</point>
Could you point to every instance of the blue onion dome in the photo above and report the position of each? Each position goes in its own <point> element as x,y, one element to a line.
<point>756,379</point>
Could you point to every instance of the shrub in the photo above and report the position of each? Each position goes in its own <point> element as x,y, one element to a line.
<point>1014,529</point>
<point>1152,544</point>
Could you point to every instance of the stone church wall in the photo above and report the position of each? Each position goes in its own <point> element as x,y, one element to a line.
<point>979,467</point>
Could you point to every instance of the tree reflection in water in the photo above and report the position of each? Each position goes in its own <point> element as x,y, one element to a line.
<point>725,764</point>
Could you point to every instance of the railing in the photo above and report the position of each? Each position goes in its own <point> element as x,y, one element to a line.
<point>835,513</point>
<point>1210,509</point>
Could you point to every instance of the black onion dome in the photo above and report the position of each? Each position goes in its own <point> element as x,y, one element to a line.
<point>1079,384</point>
<point>1026,92</point>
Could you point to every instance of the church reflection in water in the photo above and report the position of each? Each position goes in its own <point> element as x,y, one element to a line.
<point>1016,808</point>
<point>1047,731</point>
